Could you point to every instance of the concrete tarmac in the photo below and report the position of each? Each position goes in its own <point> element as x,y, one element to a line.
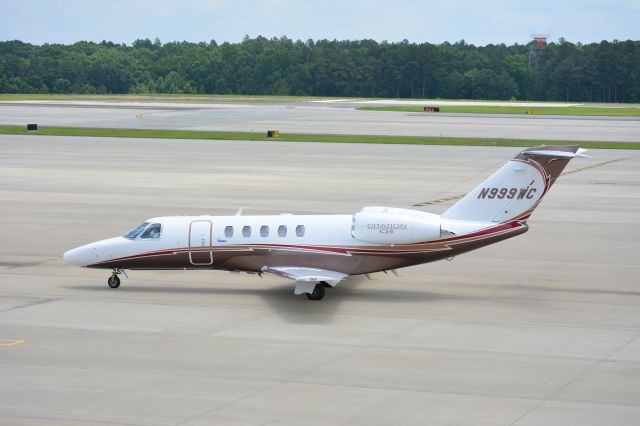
<point>317,118</point>
<point>540,329</point>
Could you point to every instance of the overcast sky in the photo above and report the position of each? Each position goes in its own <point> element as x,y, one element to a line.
<point>478,22</point>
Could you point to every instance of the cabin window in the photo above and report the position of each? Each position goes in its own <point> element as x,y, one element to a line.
<point>282,231</point>
<point>300,231</point>
<point>133,233</point>
<point>228,231</point>
<point>152,232</point>
<point>264,231</point>
<point>246,231</point>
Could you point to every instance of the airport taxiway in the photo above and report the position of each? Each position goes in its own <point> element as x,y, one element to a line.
<point>540,329</point>
<point>315,117</point>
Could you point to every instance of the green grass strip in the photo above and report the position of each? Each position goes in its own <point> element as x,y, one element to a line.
<point>515,109</point>
<point>297,137</point>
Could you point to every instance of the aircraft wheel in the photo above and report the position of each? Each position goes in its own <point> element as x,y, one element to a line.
<point>113,281</point>
<point>317,293</point>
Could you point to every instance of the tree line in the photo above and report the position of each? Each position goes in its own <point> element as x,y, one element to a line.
<point>562,71</point>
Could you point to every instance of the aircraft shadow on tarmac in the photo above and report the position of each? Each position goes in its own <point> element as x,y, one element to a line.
<point>297,309</point>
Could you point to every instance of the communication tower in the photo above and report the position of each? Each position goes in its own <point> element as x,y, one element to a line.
<point>537,45</point>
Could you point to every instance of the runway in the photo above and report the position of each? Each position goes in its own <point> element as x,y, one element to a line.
<point>315,117</point>
<point>540,329</point>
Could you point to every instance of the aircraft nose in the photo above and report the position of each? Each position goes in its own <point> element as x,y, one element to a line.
<point>79,256</point>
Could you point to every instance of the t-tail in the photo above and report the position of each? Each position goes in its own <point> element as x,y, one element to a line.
<point>515,190</point>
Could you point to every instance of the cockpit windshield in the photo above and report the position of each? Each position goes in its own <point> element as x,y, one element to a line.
<point>152,232</point>
<point>134,232</point>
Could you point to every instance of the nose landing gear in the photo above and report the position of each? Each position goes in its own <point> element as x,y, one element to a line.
<point>114,280</point>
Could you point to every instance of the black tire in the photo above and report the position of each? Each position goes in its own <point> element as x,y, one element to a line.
<point>113,281</point>
<point>317,293</point>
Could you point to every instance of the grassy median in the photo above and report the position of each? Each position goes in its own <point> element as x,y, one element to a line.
<point>298,137</point>
<point>513,107</point>
<point>516,109</point>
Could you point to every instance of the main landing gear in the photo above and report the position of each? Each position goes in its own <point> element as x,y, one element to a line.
<point>114,280</point>
<point>318,291</point>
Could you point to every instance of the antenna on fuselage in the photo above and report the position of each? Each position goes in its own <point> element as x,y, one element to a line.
<point>239,212</point>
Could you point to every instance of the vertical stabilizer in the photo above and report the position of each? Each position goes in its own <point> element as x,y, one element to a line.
<point>514,191</point>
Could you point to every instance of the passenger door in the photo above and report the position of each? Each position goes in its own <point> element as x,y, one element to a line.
<point>200,242</point>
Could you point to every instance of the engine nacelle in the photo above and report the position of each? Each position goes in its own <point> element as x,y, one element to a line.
<point>385,225</point>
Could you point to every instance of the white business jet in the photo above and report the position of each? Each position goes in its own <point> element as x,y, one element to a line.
<point>319,251</point>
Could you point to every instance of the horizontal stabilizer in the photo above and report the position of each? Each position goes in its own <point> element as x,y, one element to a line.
<point>558,154</point>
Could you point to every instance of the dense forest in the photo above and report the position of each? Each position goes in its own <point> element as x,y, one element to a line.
<point>562,71</point>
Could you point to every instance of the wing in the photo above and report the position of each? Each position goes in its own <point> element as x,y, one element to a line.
<point>306,278</point>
